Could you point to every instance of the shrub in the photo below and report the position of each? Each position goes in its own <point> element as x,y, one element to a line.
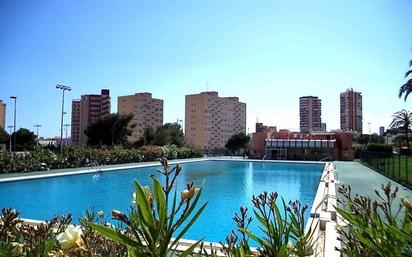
<point>169,151</point>
<point>382,148</point>
<point>375,228</point>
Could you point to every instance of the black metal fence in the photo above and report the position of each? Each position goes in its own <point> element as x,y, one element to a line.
<point>395,166</point>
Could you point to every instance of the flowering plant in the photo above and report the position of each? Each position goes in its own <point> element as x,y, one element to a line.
<point>151,224</point>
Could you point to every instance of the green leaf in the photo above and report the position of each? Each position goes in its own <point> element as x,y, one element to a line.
<point>48,246</point>
<point>252,236</point>
<point>160,202</point>
<point>144,206</point>
<point>114,235</point>
<point>186,228</point>
<point>191,208</point>
<point>190,249</point>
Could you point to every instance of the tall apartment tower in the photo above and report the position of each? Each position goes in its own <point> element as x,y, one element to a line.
<point>310,114</point>
<point>2,114</point>
<point>210,120</point>
<point>75,127</point>
<point>351,111</point>
<point>87,109</point>
<point>147,112</point>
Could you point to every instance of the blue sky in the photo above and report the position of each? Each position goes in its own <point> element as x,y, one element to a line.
<point>268,53</point>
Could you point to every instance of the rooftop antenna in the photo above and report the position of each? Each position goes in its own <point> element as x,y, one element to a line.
<point>207,86</point>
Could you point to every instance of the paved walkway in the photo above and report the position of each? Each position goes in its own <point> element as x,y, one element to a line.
<point>365,181</point>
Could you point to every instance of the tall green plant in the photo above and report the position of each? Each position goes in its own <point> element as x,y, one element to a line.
<point>375,228</point>
<point>281,228</point>
<point>406,88</point>
<point>151,224</point>
<point>402,120</point>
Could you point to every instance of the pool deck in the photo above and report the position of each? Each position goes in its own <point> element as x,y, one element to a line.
<point>364,181</point>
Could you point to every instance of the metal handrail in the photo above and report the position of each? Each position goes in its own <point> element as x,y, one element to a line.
<point>325,158</point>
<point>313,215</point>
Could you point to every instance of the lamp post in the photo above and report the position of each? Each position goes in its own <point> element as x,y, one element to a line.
<point>37,126</point>
<point>178,121</point>
<point>10,135</point>
<point>63,89</point>
<point>14,133</point>
<point>65,128</point>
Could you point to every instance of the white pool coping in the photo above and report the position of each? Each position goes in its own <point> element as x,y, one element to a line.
<point>95,169</point>
<point>323,213</point>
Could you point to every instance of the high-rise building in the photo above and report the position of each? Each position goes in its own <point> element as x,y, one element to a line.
<point>323,127</point>
<point>2,114</point>
<point>381,130</point>
<point>87,109</point>
<point>147,112</point>
<point>75,127</point>
<point>351,111</point>
<point>211,120</point>
<point>310,114</point>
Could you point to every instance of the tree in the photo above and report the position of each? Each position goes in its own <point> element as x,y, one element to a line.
<point>169,134</point>
<point>407,87</point>
<point>25,139</point>
<point>146,138</point>
<point>110,130</point>
<point>399,140</point>
<point>362,139</point>
<point>4,136</point>
<point>376,139</point>
<point>402,120</point>
<point>237,142</point>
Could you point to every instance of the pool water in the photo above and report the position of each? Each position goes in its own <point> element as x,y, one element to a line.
<point>227,186</point>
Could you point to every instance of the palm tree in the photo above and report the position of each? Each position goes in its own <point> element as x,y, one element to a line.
<point>407,87</point>
<point>402,119</point>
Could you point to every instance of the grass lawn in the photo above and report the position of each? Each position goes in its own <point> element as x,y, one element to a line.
<point>397,166</point>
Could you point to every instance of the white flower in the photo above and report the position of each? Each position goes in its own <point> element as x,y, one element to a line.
<point>18,248</point>
<point>134,198</point>
<point>71,237</point>
<point>100,214</point>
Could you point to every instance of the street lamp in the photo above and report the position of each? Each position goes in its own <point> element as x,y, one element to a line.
<point>37,126</point>
<point>63,89</point>
<point>65,128</point>
<point>10,135</point>
<point>178,121</point>
<point>14,133</point>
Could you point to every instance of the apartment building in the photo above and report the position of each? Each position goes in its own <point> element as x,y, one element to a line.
<point>2,115</point>
<point>210,120</point>
<point>310,114</point>
<point>89,108</point>
<point>75,126</point>
<point>351,117</point>
<point>147,112</point>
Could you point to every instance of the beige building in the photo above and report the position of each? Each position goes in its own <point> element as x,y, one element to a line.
<point>2,114</point>
<point>210,120</point>
<point>147,112</point>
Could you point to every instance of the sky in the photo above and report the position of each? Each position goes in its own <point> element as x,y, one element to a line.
<point>267,53</point>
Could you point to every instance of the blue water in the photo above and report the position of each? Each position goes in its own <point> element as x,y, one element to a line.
<point>227,186</point>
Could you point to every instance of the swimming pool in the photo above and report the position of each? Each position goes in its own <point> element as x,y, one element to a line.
<point>227,186</point>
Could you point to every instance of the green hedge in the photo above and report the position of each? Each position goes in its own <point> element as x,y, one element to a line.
<point>73,157</point>
<point>382,148</point>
